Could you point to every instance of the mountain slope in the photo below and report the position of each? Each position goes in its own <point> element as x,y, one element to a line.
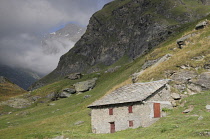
<point>9,89</point>
<point>70,117</point>
<point>22,77</point>
<point>126,30</point>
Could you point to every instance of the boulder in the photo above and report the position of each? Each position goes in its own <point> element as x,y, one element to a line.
<point>182,41</point>
<point>64,95</point>
<point>85,85</point>
<point>51,104</point>
<point>17,103</point>
<point>188,110</point>
<point>35,98</point>
<point>208,108</point>
<point>198,58</point>
<point>184,76</point>
<point>52,96</point>
<point>180,87</point>
<point>79,122</point>
<point>86,96</point>
<point>173,103</point>
<point>70,90</point>
<point>74,76</point>
<point>194,88</point>
<point>200,118</point>
<point>175,96</point>
<point>149,63</point>
<point>201,25</point>
<point>203,81</point>
<point>206,66</point>
<point>110,70</point>
<point>185,67</point>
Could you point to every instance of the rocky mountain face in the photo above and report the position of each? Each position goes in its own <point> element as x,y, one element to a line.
<point>22,77</point>
<point>128,29</point>
<point>64,38</point>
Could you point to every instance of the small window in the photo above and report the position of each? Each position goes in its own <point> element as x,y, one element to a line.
<point>110,111</point>
<point>130,123</point>
<point>130,109</point>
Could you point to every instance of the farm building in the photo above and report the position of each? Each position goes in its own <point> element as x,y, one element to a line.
<point>131,106</point>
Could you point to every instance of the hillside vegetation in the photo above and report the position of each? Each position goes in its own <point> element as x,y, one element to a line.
<point>71,117</point>
<point>9,89</point>
<point>126,29</point>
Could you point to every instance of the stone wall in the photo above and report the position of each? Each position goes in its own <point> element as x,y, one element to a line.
<point>142,113</point>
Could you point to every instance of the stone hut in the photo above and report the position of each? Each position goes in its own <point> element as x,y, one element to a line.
<point>131,106</point>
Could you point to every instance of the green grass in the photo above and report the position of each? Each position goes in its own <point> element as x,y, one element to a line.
<point>47,121</point>
<point>43,121</point>
<point>8,90</point>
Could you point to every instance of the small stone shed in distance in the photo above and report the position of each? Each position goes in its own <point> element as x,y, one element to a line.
<point>131,106</point>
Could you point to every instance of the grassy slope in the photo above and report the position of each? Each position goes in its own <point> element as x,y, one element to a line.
<point>106,15</point>
<point>45,121</point>
<point>9,89</point>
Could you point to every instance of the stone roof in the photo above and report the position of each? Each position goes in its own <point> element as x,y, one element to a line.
<point>130,93</point>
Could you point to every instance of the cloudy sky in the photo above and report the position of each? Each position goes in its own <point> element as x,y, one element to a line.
<point>24,22</point>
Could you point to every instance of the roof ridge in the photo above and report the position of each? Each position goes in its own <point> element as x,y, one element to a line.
<point>137,92</point>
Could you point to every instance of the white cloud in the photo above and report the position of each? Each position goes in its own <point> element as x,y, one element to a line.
<point>23,23</point>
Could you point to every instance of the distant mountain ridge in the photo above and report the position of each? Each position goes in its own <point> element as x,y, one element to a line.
<point>55,43</point>
<point>126,30</point>
<point>62,39</point>
<point>22,77</point>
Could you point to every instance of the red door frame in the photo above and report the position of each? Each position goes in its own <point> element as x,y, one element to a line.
<point>156,107</point>
<point>112,127</point>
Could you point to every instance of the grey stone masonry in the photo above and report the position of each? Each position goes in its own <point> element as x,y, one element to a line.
<point>132,106</point>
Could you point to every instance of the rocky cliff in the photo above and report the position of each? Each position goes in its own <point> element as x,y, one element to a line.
<point>127,28</point>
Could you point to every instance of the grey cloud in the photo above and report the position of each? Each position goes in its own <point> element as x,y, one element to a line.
<point>23,22</point>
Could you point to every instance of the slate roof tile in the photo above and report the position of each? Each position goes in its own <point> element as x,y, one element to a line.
<point>130,93</point>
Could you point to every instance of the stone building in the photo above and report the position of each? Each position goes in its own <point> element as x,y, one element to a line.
<point>131,106</point>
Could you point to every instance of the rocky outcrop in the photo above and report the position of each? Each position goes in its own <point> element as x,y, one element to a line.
<point>201,25</point>
<point>74,76</point>
<point>64,95</point>
<point>175,96</point>
<point>2,79</point>
<point>69,90</point>
<point>52,96</point>
<point>17,103</point>
<point>189,109</point>
<point>125,29</point>
<point>110,70</point>
<point>150,63</point>
<point>85,85</point>
<point>190,82</point>
<point>203,80</point>
<point>182,41</point>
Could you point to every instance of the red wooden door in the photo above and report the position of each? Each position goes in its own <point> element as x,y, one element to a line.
<point>156,107</point>
<point>112,127</point>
